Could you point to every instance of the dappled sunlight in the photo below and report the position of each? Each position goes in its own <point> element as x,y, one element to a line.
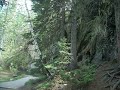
<point>60,44</point>
<point>6,74</point>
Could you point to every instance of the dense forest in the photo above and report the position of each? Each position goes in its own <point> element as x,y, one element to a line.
<point>64,44</point>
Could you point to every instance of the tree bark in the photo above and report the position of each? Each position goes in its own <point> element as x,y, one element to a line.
<point>117,22</point>
<point>73,64</point>
<point>63,20</point>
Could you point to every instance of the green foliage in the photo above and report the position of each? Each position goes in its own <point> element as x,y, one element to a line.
<point>18,62</point>
<point>6,75</point>
<point>52,16</point>
<point>44,86</point>
<point>12,27</point>
<point>81,76</point>
<point>63,58</point>
<point>64,48</point>
<point>1,68</point>
<point>34,71</point>
<point>27,35</point>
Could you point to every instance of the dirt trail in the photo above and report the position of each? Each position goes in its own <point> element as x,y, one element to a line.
<point>98,83</point>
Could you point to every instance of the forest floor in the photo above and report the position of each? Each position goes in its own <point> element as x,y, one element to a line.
<point>98,83</point>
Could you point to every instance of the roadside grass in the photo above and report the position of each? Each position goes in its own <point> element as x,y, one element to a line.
<point>6,75</point>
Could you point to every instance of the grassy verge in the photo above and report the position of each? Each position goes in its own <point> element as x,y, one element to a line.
<point>8,76</point>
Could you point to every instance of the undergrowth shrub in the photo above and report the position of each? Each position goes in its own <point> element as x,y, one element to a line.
<point>82,75</point>
<point>18,62</point>
<point>44,86</point>
<point>79,76</point>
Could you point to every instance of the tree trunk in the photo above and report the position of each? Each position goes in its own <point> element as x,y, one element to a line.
<point>63,20</point>
<point>73,64</point>
<point>41,65</point>
<point>117,22</point>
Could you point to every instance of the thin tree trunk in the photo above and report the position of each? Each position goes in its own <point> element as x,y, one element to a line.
<point>44,69</point>
<point>117,22</point>
<point>73,64</point>
<point>63,20</point>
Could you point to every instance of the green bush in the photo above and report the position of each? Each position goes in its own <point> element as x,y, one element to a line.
<point>18,62</point>
<point>44,86</point>
<point>59,63</point>
<point>79,76</point>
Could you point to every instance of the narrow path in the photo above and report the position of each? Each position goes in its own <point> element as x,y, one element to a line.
<point>98,83</point>
<point>16,84</point>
